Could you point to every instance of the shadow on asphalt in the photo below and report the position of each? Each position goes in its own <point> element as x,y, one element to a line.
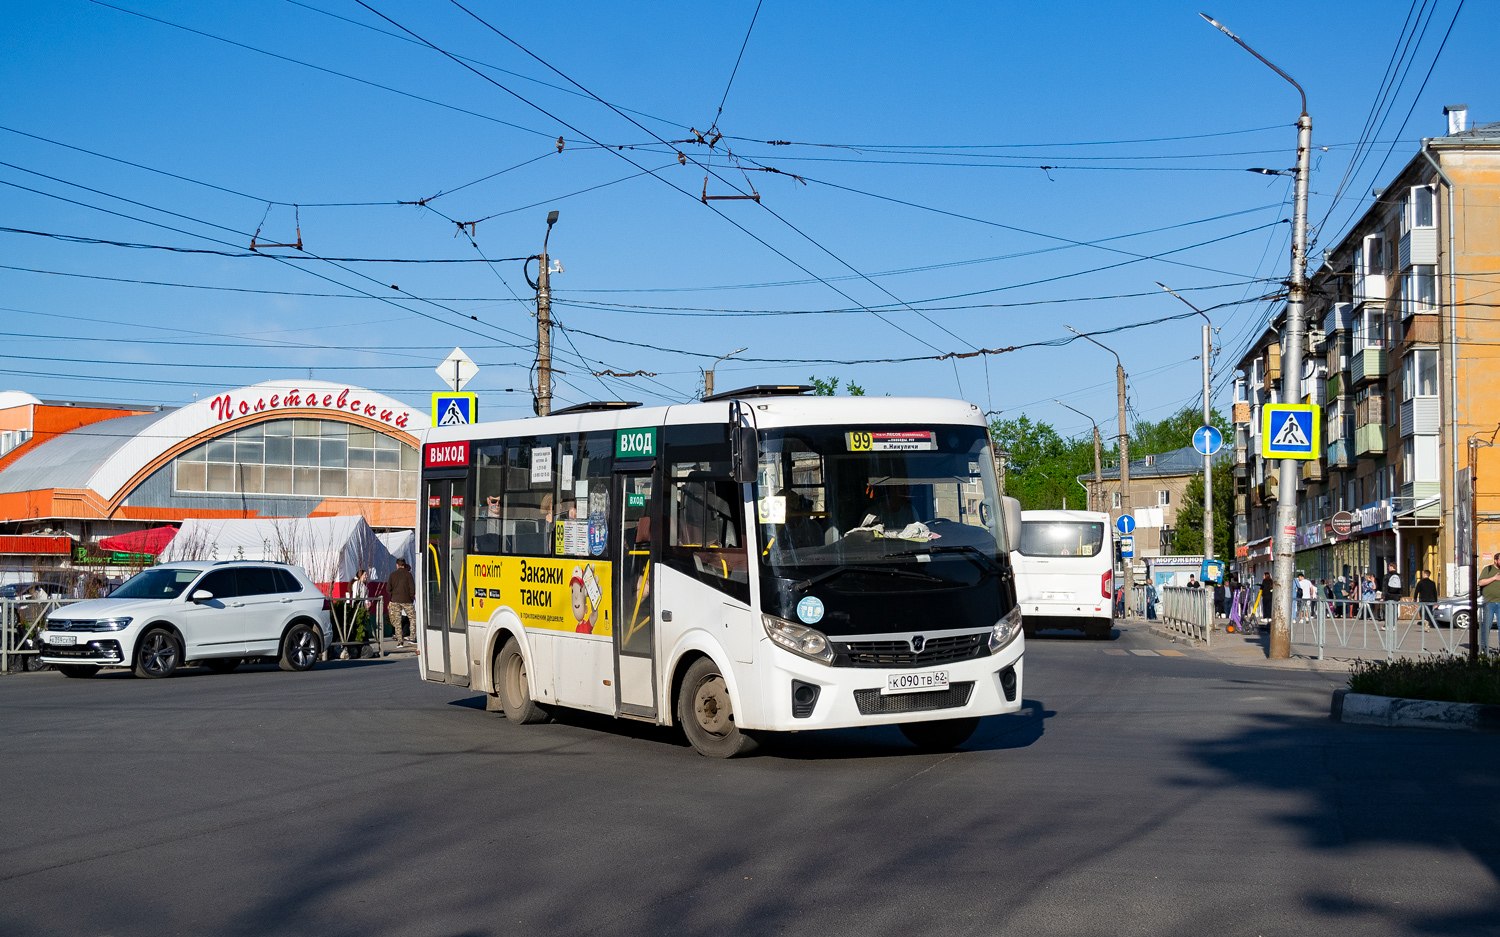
<point>1367,787</point>
<point>995,733</point>
<point>1067,634</point>
<point>194,670</point>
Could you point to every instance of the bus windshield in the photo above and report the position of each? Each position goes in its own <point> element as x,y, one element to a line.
<point>878,499</point>
<point>1061,538</point>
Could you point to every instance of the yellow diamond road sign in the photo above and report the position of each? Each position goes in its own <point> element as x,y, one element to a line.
<point>1290,431</point>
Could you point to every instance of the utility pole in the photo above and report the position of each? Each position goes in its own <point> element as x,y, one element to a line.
<point>708,376</point>
<point>1208,460</point>
<point>543,403</point>
<point>1098,455</point>
<point>1284,533</point>
<point>1124,437</point>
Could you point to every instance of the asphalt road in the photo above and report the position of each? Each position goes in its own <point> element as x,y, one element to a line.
<point>1134,795</point>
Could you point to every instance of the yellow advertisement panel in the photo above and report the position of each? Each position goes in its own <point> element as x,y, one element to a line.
<point>559,595</point>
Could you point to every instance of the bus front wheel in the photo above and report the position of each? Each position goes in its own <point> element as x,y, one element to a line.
<point>514,688</point>
<point>941,736</point>
<point>706,714</point>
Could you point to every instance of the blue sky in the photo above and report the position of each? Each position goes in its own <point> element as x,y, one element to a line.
<point>952,108</point>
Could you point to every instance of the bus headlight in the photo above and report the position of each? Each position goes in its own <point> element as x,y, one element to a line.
<point>799,639</point>
<point>1005,630</point>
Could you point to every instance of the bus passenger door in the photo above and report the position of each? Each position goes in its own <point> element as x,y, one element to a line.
<point>635,605</point>
<point>446,627</point>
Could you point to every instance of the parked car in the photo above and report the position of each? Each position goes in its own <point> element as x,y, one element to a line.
<point>1453,611</point>
<point>24,590</point>
<point>214,614</point>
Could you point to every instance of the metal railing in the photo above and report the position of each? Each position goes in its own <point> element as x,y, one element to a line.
<point>19,619</point>
<point>358,624</point>
<point>1368,627</point>
<point>1189,612</point>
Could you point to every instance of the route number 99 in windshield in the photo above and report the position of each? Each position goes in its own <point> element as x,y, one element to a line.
<point>899,441</point>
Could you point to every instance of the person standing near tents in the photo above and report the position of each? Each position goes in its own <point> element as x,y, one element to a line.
<point>1265,597</point>
<point>403,594</point>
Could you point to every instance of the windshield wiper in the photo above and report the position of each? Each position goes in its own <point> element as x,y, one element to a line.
<point>982,559</point>
<point>882,571</point>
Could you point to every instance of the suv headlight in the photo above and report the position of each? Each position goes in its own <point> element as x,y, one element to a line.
<point>1005,630</point>
<point>799,639</point>
<point>114,624</point>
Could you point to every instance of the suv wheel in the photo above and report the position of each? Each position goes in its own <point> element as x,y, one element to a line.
<point>300,649</point>
<point>157,654</point>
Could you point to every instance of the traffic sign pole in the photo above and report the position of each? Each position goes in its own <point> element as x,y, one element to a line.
<point>1208,457</point>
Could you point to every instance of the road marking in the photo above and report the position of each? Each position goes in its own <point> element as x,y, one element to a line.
<point>1171,653</point>
<point>1118,653</point>
<point>1144,653</point>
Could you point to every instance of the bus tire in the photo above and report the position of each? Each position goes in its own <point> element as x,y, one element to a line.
<point>941,736</point>
<point>514,687</point>
<point>706,714</point>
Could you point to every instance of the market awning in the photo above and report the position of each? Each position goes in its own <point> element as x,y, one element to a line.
<point>150,541</point>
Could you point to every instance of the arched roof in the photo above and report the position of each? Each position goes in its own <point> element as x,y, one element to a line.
<point>17,398</point>
<point>107,456</point>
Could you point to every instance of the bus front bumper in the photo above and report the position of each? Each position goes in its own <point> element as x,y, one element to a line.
<point>843,697</point>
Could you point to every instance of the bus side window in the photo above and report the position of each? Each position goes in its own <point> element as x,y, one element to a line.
<point>705,533</point>
<point>529,503</point>
<point>489,499</point>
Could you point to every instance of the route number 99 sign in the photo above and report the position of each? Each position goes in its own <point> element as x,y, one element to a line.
<point>899,441</point>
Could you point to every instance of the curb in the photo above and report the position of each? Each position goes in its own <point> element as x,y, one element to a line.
<point>1176,638</point>
<point>1363,709</point>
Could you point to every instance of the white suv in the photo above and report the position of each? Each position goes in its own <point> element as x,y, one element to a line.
<point>214,614</point>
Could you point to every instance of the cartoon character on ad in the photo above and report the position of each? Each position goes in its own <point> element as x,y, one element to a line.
<point>586,593</point>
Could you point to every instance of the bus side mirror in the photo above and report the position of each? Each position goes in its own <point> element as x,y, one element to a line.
<point>744,455</point>
<point>1012,510</point>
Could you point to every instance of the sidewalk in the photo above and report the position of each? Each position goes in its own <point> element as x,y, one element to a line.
<point>1245,649</point>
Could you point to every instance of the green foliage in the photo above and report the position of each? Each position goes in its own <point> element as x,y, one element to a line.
<point>1445,678</point>
<point>830,386</point>
<point>1042,466</point>
<point>1173,432</point>
<point>1190,515</point>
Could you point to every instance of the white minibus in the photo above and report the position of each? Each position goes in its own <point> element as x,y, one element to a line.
<point>1065,572</point>
<point>762,561</point>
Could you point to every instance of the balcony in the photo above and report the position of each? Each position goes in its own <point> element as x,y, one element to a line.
<point>1370,439</point>
<point>1368,364</point>
<point>1420,499</point>
<point>1341,454</point>
<point>1370,410</point>
<point>1340,317</point>
<point>1242,412</point>
<point>1419,246</point>
<point>1338,385</point>
<point>1312,470</point>
<point>1369,288</point>
<point>1420,417</point>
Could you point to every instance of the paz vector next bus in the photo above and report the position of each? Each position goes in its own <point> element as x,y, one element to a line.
<point>761,561</point>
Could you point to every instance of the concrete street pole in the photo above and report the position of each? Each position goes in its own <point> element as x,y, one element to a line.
<point>1098,492</point>
<point>1284,533</point>
<point>1127,585</point>
<point>1208,460</point>
<point>708,376</point>
<point>543,403</point>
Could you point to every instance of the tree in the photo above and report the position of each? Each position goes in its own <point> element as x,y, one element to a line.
<point>1190,515</point>
<point>1173,432</point>
<point>1042,466</point>
<point>827,387</point>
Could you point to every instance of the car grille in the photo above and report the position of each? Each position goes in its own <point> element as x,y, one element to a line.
<point>81,624</point>
<point>875,703</point>
<point>944,650</point>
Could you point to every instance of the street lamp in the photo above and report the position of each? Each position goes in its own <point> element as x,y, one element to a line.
<point>543,402</point>
<point>708,376</point>
<point>1124,448</point>
<point>1284,531</point>
<point>1097,459</point>
<point>1208,460</point>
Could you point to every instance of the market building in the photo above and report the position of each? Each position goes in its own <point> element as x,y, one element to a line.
<point>75,474</point>
<point>1400,327</point>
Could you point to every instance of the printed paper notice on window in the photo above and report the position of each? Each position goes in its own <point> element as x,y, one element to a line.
<point>541,466</point>
<point>921,440</point>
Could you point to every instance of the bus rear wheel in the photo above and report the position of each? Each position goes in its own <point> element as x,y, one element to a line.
<point>940,736</point>
<point>707,715</point>
<point>514,688</point>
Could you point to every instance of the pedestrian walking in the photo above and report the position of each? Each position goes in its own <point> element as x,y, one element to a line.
<point>1221,600</point>
<point>1150,602</point>
<point>1489,590</point>
<point>1392,586</point>
<point>1425,590</point>
<point>1340,590</point>
<point>359,601</point>
<point>403,595</point>
<point>1265,597</point>
<point>1304,596</point>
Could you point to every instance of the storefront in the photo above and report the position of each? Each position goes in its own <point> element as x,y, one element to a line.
<point>279,449</point>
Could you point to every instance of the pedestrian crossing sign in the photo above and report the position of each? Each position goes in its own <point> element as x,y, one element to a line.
<point>454,409</point>
<point>1289,431</point>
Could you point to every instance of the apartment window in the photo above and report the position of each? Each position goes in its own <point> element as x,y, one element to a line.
<point>1419,208</point>
<point>1370,259</point>
<point>1419,459</point>
<point>1369,328</point>
<point>1419,290</point>
<point>1163,498</point>
<point>1114,501</point>
<point>1419,374</point>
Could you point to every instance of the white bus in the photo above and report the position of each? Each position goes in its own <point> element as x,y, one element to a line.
<point>1065,572</point>
<point>759,561</point>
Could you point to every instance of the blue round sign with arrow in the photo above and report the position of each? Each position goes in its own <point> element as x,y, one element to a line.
<point>1207,440</point>
<point>1126,523</point>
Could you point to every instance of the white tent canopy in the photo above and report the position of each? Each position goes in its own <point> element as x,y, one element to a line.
<point>402,545</point>
<point>330,549</point>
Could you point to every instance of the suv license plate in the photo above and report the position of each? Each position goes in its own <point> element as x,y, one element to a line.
<point>916,682</point>
<point>62,639</point>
